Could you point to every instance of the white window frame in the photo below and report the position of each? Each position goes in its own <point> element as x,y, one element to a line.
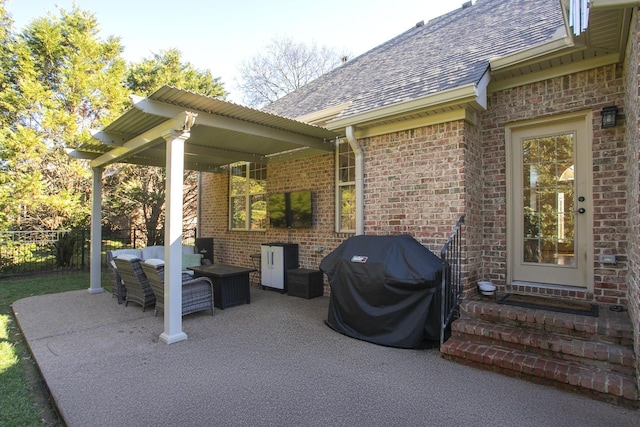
<point>342,183</point>
<point>247,194</point>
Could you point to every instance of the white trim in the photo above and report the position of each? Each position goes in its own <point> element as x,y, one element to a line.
<point>173,238</point>
<point>532,53</point>
<point>605,4</point>
<point>586,117</point>
<point>464,94</point>
<point>326,114</point>
<point>141,142</point>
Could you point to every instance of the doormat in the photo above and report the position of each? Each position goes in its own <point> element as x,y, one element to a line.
<point>549,304</point>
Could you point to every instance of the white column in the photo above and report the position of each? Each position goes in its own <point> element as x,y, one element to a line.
<point>95,268</point>
<point>173,238</point>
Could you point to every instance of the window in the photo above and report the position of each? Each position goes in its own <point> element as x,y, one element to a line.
<point>248,196</point>
<point>345,189</point>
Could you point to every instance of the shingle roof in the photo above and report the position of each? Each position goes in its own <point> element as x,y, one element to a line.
<point>447,52</point>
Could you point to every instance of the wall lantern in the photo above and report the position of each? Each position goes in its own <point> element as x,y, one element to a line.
<point>609,115</point>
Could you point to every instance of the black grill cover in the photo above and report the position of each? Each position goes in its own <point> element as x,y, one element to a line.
<point>385,290</point>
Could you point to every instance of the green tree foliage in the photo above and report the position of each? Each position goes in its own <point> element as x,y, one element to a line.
<point>60,80</point>
<point>167,68</point>
<point>136,199</point>
<point>65,81</point>
<point>136,194</point>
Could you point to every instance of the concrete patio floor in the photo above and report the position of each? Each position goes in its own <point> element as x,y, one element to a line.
<point>270,363</point>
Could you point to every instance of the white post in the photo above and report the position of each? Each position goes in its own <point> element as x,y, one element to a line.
<point>173,238</point>
<point>95,268</point>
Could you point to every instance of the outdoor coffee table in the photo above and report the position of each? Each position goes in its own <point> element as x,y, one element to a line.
<point>230,283</point>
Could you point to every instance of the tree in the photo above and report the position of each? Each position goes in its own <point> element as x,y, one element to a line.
<point>63,82</point>
<point>282,67</point>
<point>59,81</point>
<point>136,194</point>
<point>167,68</point>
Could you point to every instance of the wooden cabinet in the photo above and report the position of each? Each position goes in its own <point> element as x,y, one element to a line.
<point>276,260</point>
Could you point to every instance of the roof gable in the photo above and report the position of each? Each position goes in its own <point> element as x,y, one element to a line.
<point>448,52</point>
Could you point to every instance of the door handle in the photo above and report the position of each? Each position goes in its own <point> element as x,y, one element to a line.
<point>581,211</point>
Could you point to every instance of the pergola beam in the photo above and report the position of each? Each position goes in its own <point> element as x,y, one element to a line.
<point>142,142</point>
<point>162,109</point>
<point>110,138</point>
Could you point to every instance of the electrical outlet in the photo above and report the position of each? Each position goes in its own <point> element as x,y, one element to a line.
<point>318,249</point>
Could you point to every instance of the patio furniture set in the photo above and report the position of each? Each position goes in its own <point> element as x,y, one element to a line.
<point>139,278</point>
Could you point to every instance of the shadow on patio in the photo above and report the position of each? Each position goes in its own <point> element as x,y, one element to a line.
<point>272,362</point>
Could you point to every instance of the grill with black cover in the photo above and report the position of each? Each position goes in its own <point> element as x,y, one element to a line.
<point>385,290</point>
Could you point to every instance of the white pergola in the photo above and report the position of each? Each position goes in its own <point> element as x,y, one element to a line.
<point>180,130</point>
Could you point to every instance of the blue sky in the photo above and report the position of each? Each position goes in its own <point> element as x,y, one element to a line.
<point>219,35</point>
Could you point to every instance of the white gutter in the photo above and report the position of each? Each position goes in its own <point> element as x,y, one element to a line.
<point>357,150</point>
<point>473,94</point>
<point>558,45</point>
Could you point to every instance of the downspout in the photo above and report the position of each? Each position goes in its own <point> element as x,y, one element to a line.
<point>357,150</point>
<point>199,207</point>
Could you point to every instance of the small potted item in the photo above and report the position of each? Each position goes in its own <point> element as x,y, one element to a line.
<point>486,288</point>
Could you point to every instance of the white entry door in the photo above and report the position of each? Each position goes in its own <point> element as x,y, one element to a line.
<point>550,203</point>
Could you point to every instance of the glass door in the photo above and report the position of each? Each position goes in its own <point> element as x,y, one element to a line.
<point>550,204</point>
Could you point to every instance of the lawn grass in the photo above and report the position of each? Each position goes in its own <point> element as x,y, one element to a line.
<point>23,399</point>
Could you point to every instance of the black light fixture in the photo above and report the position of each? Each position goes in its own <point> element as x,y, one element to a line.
<point>609,115</point>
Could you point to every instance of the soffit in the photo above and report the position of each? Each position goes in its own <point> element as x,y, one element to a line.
<point>602,43</point>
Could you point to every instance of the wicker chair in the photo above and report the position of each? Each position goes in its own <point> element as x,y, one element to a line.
<point>197,293</point>
<point>118,290</point>
<point>138,288</point>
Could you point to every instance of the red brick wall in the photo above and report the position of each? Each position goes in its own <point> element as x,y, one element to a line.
<point>592,89</point>
<point>632,125</point>
<point>420,181</point>
<point>235,247</point>
<point>414,184</point>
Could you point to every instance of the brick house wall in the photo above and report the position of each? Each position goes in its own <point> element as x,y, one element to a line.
<point>421,180</point>
<point>591,89</point>
<point>235,247</point>
<point>632,124</point>
<point>414,184</point>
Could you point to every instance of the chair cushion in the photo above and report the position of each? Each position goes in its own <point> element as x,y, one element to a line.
<point>127,257</point>
<point>117,252</point>
<point>191,260</point>
<point>154,261</point>
<point>153,252</point>
<point>188,249</point>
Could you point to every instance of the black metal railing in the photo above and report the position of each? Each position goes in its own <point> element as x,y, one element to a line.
<point>66,251</point>
<point>452,285</point>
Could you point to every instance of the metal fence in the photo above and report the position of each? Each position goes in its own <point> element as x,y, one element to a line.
<point>66,251</point>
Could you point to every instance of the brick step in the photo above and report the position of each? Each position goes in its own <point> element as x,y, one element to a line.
<point>601,355</point>
<point>612,387</point>
<point>609,327</point>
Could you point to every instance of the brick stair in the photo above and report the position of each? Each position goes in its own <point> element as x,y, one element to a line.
<point>589,355</point>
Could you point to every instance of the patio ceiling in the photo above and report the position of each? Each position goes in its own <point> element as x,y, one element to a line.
<point>222,133</point>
